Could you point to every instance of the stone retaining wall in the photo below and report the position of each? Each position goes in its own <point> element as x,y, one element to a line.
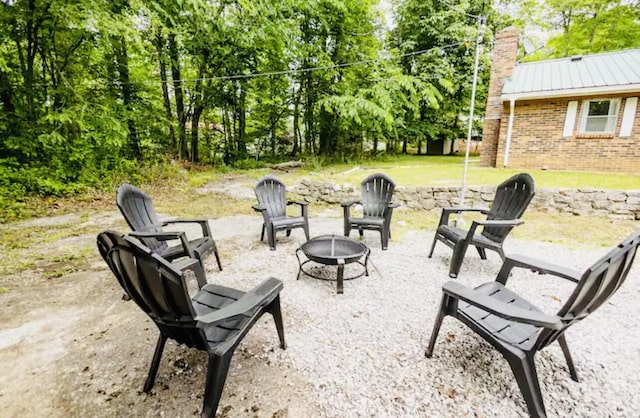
<point>584,201</point>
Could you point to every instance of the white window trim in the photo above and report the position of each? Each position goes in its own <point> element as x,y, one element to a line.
<point>628,116</point>
<point>584,113</point>
<point>570,119</point>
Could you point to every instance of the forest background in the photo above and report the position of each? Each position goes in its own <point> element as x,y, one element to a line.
<point>96,92</point>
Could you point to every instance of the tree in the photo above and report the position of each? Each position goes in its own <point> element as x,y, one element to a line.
<point>582,26</point>
<point>436,41</point>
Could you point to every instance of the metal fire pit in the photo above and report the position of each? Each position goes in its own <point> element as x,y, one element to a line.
<point>331,250</point>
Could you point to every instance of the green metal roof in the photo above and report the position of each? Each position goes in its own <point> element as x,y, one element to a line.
<point>612,72</point>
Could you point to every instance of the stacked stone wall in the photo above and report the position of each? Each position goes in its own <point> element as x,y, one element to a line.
<point>583,201</point>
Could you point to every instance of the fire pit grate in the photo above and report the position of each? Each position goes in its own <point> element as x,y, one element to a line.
<point>331,250</point>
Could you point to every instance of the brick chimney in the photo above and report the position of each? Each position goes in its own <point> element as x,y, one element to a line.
<point>503,60</point>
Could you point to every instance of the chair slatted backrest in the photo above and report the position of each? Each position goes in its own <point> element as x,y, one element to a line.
<point>271,194</point>
<point>598,283</point>
<point>377,192</point>
<point>137,208</point>
<point>154,285</point>
<point>511,200</point>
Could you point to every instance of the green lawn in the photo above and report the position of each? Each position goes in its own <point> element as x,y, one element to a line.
<point>448,170</point>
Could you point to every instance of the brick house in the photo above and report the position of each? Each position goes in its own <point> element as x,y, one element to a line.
<point>576,113</point>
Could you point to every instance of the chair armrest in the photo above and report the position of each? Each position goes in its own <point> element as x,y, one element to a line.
<point>204,224</point>
<point>294,202</point>
<point>501,222</point>
<point>446,212</point>
<point>261,295</point>
<point>167,236</point>
<point>258,208</point>
<point>350,203</point>
<point>501,309</point>
<point>538,266</point>
<point>392,205</point>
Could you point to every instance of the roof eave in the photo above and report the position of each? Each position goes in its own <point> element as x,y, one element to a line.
<point>589,91</point>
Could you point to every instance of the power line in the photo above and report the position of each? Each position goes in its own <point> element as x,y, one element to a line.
<point>455,8</point>
<point>306,70</point>
<point>283,72</point>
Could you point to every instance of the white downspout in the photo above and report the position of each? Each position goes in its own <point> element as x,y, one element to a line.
<point>512,108</point>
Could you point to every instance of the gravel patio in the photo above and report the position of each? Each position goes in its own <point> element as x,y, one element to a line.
<point>360,354</point>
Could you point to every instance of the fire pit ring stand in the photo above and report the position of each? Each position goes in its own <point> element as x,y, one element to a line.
<point>332,250</point>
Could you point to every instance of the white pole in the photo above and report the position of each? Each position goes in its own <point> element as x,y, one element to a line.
<point>481,22</point>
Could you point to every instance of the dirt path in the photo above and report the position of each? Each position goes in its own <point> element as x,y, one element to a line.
<point>74,348</point>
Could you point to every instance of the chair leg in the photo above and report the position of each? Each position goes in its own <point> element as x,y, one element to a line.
<point>433,244</point>
<point>384,238</point>
<point>271,236</point>
<point>306,230</point>
<point>262,233</point>
<point>459,251</point>
<point>436,328</point>
<point>217,370</point>
<point>151,378</point>
<point>288,232</point>
<point>347,227</point>
<point>361,232</point>
<point>524,370</point>
<point>215,252</point>
<point>275,310</point>
<point>567,355</point>
<point>482,253</point>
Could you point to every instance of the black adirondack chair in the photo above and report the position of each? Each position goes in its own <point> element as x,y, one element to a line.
<point>272,203</point>
<point>517,328</point>
<point>511,200</point>
<point>214,320</point>
<point>137,209</point>
<point>377,208</point>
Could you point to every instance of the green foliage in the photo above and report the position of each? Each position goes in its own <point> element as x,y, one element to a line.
<point>94,93</point>
<point>248,164</point>
<point>582,26</point>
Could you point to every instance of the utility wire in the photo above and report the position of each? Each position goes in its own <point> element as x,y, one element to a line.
<point>453,7</point>
<point>284,72</point>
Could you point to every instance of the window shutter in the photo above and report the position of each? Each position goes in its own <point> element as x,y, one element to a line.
<point>627,117</point>
<point>570,119</point>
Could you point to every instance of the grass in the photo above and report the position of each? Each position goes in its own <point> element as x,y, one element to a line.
<point>35,253</point>
<point>415,170</point>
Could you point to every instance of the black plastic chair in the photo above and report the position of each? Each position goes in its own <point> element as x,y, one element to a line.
<point>272,203</point>
<point>137,209</point>
<point>377,208</point>
<point>214,320</point>
<point>517,328</point>
<point>509,203</point>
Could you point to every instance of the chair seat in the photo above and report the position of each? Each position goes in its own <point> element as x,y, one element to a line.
<point>211,298</point>
<point>282,223</point>
<point>513,333</point>
<point>456,235</point>
<point>201,247</point>
<point>367,221</point>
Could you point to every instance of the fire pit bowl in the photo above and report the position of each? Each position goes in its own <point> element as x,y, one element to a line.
<point>328,249</point>
<point>331,250</point>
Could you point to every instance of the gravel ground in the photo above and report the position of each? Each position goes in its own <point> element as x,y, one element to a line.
<point>72,347</point>
<point>363,352</point>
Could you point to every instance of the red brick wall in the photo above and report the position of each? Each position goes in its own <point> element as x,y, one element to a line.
<point>503,60</point>
<point>537,140</point>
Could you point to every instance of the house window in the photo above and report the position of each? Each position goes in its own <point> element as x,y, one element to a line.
<point>599,116</point>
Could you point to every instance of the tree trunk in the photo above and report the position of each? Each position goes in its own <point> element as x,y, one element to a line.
<point>296,125</point>
<point>419,146</point>
<point>328,133</point>
<point>122,66</point>
<point>162,62</point>
<point>183,149</point>
<point>6,94</point>
<point>242,122</point>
